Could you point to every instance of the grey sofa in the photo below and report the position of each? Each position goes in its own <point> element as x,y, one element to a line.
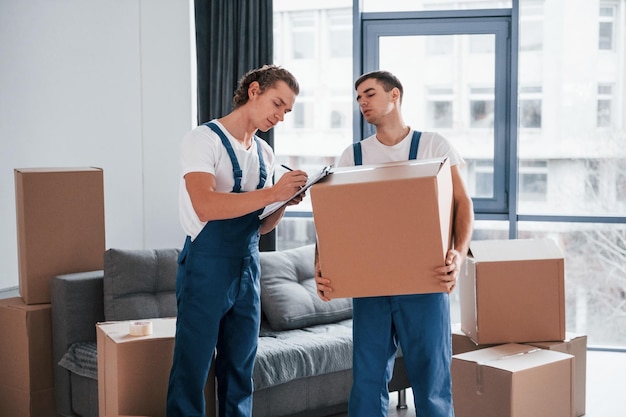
<point>304,359</point>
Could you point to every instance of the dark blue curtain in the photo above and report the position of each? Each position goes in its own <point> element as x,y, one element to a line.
<point>232,37</point>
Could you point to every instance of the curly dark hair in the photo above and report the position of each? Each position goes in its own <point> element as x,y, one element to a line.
<point>385,78</point>
<point>267,76</point>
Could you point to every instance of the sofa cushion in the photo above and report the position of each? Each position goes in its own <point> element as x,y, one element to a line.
<point>139,284</point>
<point>289,297</point>
<point>283,356</point>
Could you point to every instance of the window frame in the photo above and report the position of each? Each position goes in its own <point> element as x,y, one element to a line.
<point>499,22</point>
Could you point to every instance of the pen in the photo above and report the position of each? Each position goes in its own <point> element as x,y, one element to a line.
<point>286,167</point>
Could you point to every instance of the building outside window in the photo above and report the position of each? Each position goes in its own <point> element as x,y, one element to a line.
<point>303,35</point>
<point>481,107</point>
<point>533,180</point>
<point>439,107</point>
<point>606,27</point>
<point>605,104</point>
<point>530,107</point>
<point>531,18</point>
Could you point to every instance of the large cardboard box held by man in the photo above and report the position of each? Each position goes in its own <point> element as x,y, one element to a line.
<point>383,229</point>
<point>26,372</point>
<point>60,226</point>
<point>512,380</point>
<point>512,291</point>
<point>133,371</point>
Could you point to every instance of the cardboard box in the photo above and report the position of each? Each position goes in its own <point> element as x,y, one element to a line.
<point>461,342</point>
<point>512,380</point>
<point>576,345</point>
<point>512,291</point>
<point>383,229</point>
<point>60,226</point>
<point>133,371</point>
<point>26,371</point>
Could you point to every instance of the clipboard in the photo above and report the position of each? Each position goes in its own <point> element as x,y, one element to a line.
<point>272,208</point>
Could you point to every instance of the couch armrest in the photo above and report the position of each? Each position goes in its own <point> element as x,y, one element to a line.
<point>77,302</point>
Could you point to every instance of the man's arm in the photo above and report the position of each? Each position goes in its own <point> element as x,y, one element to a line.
<point>271,221</point>
<point>210,204</point>
<point>462,229</point>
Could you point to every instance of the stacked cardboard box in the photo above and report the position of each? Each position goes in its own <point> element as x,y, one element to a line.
<point>512,380</point>
<point>513,311</point>
<point>60,225</point>
<point>26,374</point>
<point>133,371</point>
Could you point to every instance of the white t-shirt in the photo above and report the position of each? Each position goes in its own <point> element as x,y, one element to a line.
<point>201,150</point>
<point>432,145</point>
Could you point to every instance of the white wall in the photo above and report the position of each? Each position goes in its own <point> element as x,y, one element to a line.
<point>104,83</point>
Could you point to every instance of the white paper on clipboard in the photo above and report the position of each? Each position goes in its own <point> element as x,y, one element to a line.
<point>272,208</point>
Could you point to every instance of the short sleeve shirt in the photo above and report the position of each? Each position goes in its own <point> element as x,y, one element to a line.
<point>432,145</point>
<point>201,150</point>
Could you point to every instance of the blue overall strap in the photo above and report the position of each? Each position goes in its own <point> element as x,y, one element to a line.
<point>262,170</point>
<point>358,154</point>
<point>415,143</point>
<point>237,173</point>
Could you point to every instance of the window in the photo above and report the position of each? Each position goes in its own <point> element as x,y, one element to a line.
<point>439,45</point>
<point>316,46</point>
<point>606,25</point>
<point>569,179</point>
<point>455,91</point>
<point>592,182</point>
<point>533,180</point>
<point>482,184</point>
<point>530,107</point>
<point>482,44</point>
<point>620,188</point>
<point>481,107</point>
<point>303,35</point>
<point>531,26</point>
<point>439,107</point>
<point>605,103</point>
<point>340,34</point>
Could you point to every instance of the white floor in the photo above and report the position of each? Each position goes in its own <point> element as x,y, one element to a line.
<point>606,387</point>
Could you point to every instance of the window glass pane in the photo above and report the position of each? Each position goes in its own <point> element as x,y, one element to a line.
<point>530,113</point>
<point>293,232</point>
<point>606,27</point>
<point>531,26</point>
<point>439,45</point>
<point>320,126</point>
<point>340,34</point>
<point>482,44</point>
<point>440,107</point>
<point>454,100</point>
<point>569,114</point>
<point>595,277</point>
<point>303,35</point>
<point>533,180</point>
<point>605,40</point>
<point>605,104</point>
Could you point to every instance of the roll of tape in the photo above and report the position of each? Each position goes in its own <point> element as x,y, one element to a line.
<point>140,328</point>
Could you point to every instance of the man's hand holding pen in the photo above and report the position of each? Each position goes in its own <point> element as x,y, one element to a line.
<point>290,182</point>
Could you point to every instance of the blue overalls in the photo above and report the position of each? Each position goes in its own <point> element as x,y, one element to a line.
<point>218,299</point>
<point>421,324</point>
